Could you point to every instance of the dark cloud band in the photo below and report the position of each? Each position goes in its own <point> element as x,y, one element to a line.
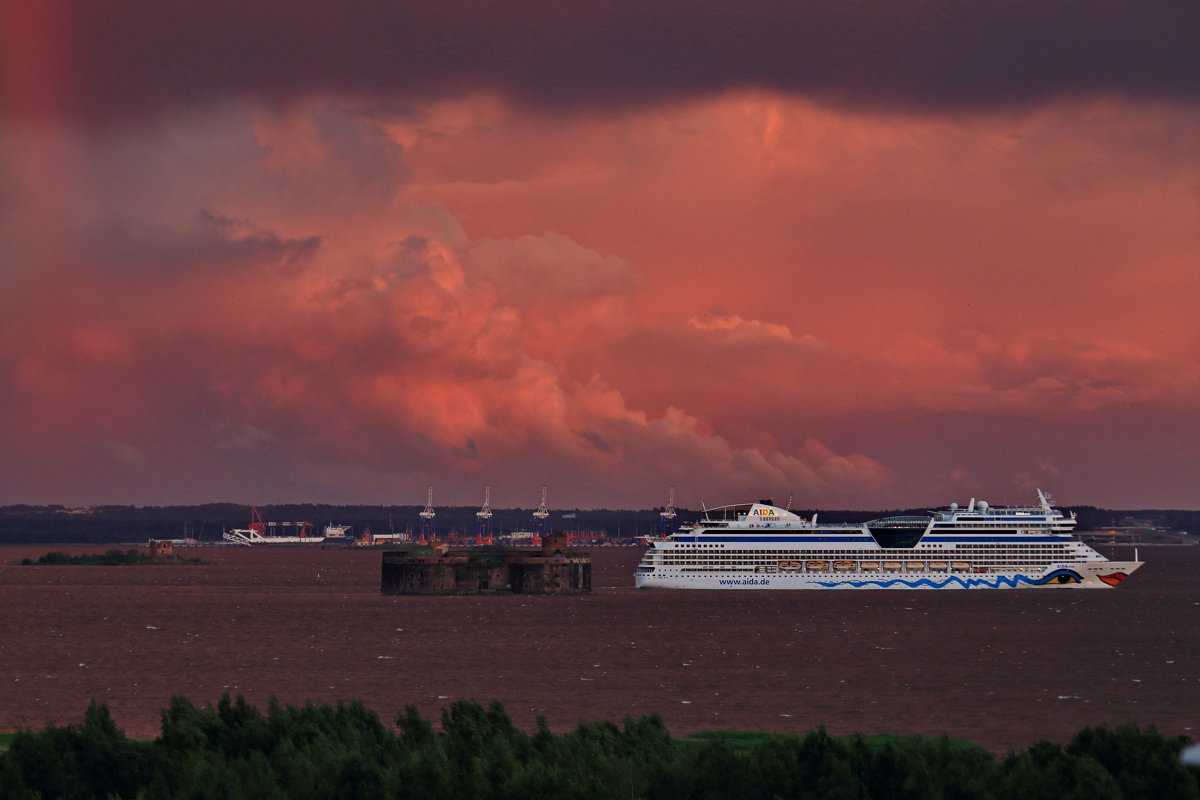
<point>132,56</point>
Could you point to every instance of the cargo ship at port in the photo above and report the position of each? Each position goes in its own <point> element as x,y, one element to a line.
<point>762,546</point>
<point>275,533</point>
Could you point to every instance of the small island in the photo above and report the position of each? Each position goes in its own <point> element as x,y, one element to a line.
<point>109,558</point>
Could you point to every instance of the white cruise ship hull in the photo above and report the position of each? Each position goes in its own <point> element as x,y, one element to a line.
<point>1094,575</point>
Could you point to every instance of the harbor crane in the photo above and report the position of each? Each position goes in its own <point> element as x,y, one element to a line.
<point>427,516</point>
<point>541,517</point>
<point>667,517</point>
<point>483,534</point>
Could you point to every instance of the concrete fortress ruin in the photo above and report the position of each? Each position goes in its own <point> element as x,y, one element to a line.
<point>556,570</point>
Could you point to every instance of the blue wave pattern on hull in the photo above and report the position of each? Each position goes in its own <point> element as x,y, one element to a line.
<point>966,583</point>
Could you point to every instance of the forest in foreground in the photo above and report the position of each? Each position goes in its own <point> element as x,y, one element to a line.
<point>234,750</point>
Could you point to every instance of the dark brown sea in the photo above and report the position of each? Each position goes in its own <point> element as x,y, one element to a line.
<point>1001,668</point>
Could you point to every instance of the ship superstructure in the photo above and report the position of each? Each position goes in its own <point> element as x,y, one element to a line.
<point>762,546</point>
<point>260,532</point>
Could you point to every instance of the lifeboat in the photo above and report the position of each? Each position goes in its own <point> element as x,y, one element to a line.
<point>843,566</point>
<point>938,565</point>
<point>960,566</point>
<point>870,566</point>
<point>891,566</point>
<point>915,566</point>
<point>817,566</point>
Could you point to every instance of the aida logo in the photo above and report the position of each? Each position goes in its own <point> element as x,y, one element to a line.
<point>764,512</point>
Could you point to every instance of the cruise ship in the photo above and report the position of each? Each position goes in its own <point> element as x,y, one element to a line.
<point>762,546</point>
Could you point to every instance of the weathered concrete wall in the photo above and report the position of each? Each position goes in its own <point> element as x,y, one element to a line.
<point>550,575</point>
<point>161,549</point>
<point>463,572</point>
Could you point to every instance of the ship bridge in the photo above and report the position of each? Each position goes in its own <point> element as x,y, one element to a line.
<point>898,532</point>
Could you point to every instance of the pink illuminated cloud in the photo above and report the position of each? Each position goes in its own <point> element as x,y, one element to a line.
<point>742,279</point>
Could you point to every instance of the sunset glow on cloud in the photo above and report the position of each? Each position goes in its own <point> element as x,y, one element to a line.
<point>269,260</point>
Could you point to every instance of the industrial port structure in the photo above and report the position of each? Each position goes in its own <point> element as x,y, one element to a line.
<point>456,531</point>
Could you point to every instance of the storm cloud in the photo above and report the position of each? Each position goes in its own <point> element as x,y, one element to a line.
<point>137,56</point>
<point>874,253</point>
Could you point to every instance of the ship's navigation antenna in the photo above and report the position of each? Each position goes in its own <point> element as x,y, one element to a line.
<point>541,517</point>
<point>427,515</point>
<point>484,515</point>
<point>1045,500</point>
<point>667,517</point>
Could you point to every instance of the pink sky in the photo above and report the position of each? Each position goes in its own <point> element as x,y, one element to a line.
<point>312,271</point>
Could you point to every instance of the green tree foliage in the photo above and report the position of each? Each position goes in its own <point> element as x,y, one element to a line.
<point>234,750</point>
<point>1144,763</point>
<point>91,760</point>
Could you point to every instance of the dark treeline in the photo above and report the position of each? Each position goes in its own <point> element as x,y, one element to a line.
<point>20,524</point>
<point>345,751</point>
